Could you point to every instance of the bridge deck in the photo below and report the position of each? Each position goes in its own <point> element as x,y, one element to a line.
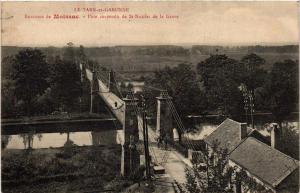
<point>173,162</point>
<point>116,105</point>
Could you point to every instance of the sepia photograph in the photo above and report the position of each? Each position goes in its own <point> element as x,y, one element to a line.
<point>149,97</point>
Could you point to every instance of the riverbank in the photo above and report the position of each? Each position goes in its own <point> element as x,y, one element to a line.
<point>67,169</point>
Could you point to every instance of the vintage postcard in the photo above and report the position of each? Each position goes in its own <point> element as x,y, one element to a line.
<point>150,96</point>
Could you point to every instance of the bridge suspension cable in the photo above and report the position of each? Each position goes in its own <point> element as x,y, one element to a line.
<point>116,84</point>
<point>180,125</point>
<point>178,120</point>
<point>171,106</point>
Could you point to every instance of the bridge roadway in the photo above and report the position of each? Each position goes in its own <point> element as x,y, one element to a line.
<point>115,104</point>
<point>175,163</point>
<point>174,166</point>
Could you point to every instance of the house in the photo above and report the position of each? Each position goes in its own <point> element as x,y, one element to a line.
<point>257,155</point>
<point>228,134</point>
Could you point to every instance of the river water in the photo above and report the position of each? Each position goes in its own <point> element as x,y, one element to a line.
<point>205,129</point>
<point>48,140</point>
<point>137,86</point>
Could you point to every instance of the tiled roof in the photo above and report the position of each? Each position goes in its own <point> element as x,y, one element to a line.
<point>227,134</point>
<point>264,162</point>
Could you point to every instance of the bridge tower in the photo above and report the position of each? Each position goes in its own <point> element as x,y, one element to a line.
<point>164,116</point>
<point>130,160</point>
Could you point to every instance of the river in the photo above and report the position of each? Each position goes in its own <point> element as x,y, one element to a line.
<point>48,140</point>
<point>205,128</point>
<point>137,86</point>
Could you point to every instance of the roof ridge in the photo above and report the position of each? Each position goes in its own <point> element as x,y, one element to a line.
<point>233,121</point>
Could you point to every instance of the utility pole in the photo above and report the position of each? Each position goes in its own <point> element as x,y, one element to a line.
<point>246,106</point>
<point>92,89</point>
<point>251,100</point>
<point>131,148</point>
<point>248,103</point>
<point>146,144</point>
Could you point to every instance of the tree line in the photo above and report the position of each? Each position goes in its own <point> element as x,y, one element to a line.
<point>35,86</point>
<point>221,85</point>
<point>216,86</point>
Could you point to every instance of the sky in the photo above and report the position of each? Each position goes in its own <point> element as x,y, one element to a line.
<point>202,23</point>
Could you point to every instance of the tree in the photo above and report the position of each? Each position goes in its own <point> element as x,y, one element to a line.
<point>81,54</point>
<point>253,61</point>
<point>221,77</point>
<point>65,84</point>
<point>69,53</point>
<point>30,72</point>
<point>281,90</point>
<point>254,75</point>
<point>7,66</point>
<point>85,86</point>
<point>248,183</point>
<point>210,173</point>
<point>289,142</point>
<point>5,139</point>
<point>7,98</point>
<point>29,137</point>
<point>45,103</point>
<point>182,85</point>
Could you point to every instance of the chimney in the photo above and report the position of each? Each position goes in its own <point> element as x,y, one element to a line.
<point>275,135</point>
<point>243,130</point>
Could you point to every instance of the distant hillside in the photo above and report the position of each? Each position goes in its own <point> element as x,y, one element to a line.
<point>244,49</point>
<point>150,58</point>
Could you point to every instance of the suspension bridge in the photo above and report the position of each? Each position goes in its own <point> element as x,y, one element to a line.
<point>136,131</point>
